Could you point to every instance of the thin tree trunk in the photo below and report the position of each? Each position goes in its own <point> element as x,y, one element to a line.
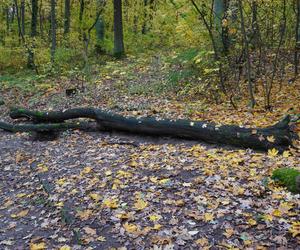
<point>34,17</point>
<point>67,17</point>
<point>53,30</point>
<point>297,47</point>
<point>248,65</point>
<point>81,10</point>
<point>119,50</point>
<point>28,48</point>
<point>22,12</point>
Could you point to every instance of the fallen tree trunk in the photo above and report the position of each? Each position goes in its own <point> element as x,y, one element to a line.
<point>46,127</point>
<point>278,136</point>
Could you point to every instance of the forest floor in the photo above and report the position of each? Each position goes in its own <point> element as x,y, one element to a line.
<point>119,191</point>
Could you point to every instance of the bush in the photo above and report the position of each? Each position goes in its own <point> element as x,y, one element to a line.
<point>288,177</point>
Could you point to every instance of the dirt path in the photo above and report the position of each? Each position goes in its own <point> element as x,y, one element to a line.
<point>98,191</point>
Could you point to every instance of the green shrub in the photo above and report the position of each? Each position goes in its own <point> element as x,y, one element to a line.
<point>288,177</point>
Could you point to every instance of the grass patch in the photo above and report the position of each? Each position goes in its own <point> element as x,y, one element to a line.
<point>288,177</point>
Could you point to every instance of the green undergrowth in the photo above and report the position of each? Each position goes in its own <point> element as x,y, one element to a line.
<point>287,177</point>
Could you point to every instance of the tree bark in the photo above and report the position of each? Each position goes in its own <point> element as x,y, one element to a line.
<point>256,138</point>
<point>247,52</point>
<point>22,13</point>
<point>53,30</point>
<point>34,17</point>
<point>118,29</point>
<point>67,17</point>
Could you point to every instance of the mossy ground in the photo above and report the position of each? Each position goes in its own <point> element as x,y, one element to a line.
<point>287,177</point>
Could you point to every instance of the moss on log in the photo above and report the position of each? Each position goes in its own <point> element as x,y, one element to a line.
<point>255,138</point>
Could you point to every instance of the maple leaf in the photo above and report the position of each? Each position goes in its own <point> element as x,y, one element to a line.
<point>164,181</point>
<point>286,154</point>
<point>96,197</point>
<point>85,214</point>
<point>157,226</point>
<point>86,170</point>
<point>111,203</point>
<point>61,181</point>
<point>90,231</point>
<point>101,239</point>
<point>42,168</point>
<point>208,217</point>
<point>130,228</point>
<point>21,195</point>
<point>273,152</point>
<point>154,217</point>
<point>295,228</point>
<point>108,173</point>
<point>20,214</point>
<point>65,247</point>
<point>228,232</point>
<point>202,242</point>
<point>271,139</point>
<point>277,213</point>
<point>140,204</point>
<point>37,246</point>
<point>268,217</point>
<point>251,222</point>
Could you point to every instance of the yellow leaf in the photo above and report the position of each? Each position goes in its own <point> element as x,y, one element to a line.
<point>101,238</point>
<point>164,181</point>
<point>133,164</point>
<point>86,170</point>
<point>228,232</point>
<point>295,228</point>
<point>153,179</point>
<point>21,195</point>
<point>286,154</point>
<point>140,204</point>
<point>277,213</point>
<point>65,247</point>
<point>157,226</point>
<point>123,215</point>
<point>154,217</point>
<point>268,217</point>
<point>59,204</point>
<point>130,228</point>
<point>61,181</point>
<point>20,214</point>
<point>95,196</point>
<point>37,246</point>
<point>108,173</point>
<point>271,139</point>
<point>111,203</point>
<point>202,242</point>
<point>272,152</point>
<point>85,214</point>
<point>251,222</point>
<point>179,203</point>
<point>42,168</point>
<point>208,217</point>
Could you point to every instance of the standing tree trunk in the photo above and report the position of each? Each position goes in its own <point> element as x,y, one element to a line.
<point>221,28</point>
<point>22,13</point>
<point>81,10</point>
<point>297,47</point>
<point>33,33</point>
<point>53,30</point>
<point>247,53</point>
<point>67,17</point>
<point>34,17</point>
<point>119,50</point>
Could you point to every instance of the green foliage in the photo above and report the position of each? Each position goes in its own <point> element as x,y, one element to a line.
<point>287,177</point>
